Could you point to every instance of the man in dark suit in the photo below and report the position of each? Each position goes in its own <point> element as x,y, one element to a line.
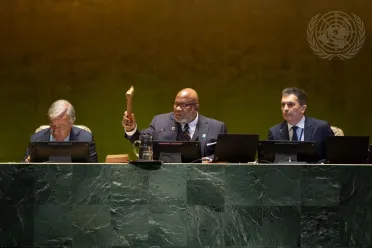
<point>62,117</point>
<point>298,127</point>
<point>183,124</point>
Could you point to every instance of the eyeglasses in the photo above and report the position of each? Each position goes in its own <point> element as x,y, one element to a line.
<point>183,105</point>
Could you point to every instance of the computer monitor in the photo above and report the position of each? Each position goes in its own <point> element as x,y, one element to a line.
<point>369,161</point>
<point>59,152</point>
<point>236,148</point>
<point>347,149</point>
<point>177,151</point>
<point>284,151</point>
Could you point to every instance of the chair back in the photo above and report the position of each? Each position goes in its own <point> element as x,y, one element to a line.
<point>337,131</point>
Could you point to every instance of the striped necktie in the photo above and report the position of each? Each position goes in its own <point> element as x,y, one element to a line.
<point>186,132</point>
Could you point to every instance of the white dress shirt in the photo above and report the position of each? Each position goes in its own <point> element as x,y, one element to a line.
<point>51,138</point>
<point>131,132</point>
<point>300,129</point>
<point>192,125</point>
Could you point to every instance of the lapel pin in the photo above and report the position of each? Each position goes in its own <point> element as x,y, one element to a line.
<point>173,128</point>
<point>204,135</point>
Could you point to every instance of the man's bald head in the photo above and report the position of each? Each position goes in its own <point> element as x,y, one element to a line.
<point>186,105</point>
<point>189,94</point>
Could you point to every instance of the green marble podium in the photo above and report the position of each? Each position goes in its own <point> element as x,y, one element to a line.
<point>185,205</point>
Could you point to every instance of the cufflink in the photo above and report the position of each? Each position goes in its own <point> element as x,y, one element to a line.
<point>173,128</point>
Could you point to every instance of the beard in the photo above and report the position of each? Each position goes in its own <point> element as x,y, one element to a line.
<point>182,121</point>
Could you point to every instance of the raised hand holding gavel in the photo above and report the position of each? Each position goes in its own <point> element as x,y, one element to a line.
<point>129,121</point>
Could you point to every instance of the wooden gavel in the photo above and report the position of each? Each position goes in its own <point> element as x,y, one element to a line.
<point>129,96</point>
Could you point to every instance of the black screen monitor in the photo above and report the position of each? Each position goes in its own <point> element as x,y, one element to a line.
<point>347,149</point>
<point>369,154</point>
<point>284,151</point>
<point>236,148</point>
<point>177,151</point>
<point>59,152</point>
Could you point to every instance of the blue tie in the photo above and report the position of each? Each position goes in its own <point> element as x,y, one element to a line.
<point>294,136</point>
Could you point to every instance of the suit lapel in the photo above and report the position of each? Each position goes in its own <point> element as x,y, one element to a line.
<point>46,135</point>
<point>203,127</point>
<point>173,127</point>
<point>284,134</point>
<point>308,132</point>
<point>74,134</point>
<point>196,133</point>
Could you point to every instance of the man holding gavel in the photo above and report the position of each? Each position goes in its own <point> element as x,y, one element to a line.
<point>183,124</point>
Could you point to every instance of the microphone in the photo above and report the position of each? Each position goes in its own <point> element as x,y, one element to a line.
<point>50,132</point>
<point>161,130</point>
<point>280,133</point>
<point>270,136</point>
<point>46,133</point>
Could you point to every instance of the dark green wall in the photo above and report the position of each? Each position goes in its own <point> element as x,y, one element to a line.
<point>238,54</point>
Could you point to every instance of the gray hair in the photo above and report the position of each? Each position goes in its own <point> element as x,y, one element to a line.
<point>60,108</point>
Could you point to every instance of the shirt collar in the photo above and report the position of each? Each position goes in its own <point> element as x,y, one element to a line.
<point>300,124</point>
<point>51,138</point>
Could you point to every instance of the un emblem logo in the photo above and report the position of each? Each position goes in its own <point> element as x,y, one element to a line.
<point>336,34</point>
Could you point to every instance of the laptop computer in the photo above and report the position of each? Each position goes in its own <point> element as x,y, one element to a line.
<point>286,151</point>
<point>369,161</point>
<point>236,148</point>
<point>59,152</point>
<point>347,149</point>
<point>177,151</point>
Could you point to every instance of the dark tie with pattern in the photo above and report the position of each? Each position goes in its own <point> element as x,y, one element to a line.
<point>294,136</point>
<point>186,132</point>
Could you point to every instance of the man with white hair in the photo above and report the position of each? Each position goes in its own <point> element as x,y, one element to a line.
<point>61,121</point>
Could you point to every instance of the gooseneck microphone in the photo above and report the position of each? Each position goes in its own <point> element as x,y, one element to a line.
<point>46,133</point>
<point>271,135</point>
<point>161,130</point>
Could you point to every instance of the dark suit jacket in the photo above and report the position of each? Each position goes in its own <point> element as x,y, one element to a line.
<point>315,130</point>
<point>77,134</point>
<point>165,127</point>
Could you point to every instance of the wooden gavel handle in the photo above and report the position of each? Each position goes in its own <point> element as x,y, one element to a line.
<point>129,96</point>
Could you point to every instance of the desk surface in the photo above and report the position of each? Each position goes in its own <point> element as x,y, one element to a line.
<point>185,164</point>
<point>185,205</point>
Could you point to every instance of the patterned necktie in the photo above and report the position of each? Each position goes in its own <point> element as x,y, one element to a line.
<point>186,132</point>
<point>294,136</point>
